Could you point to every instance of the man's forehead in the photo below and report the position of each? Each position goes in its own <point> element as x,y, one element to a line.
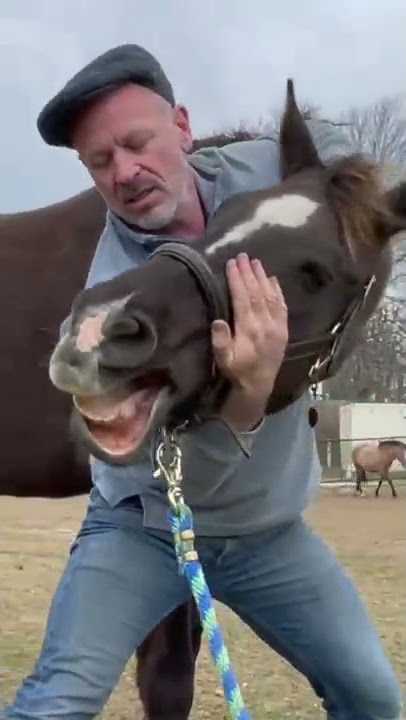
<point>130,108</point>
<point>130,94</point>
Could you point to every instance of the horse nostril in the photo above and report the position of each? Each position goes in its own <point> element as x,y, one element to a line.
<point>122,328</point>
<point>128,342</point>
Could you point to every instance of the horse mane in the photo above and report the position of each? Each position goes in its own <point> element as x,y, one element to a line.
<point>392,443</point>
<point>355,190</point>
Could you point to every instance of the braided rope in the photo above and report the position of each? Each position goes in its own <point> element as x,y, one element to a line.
<point>181,521</point>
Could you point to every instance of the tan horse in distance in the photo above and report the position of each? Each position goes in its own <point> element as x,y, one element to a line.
<point>378,459</point>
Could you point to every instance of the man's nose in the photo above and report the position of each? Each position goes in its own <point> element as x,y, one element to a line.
<point>126,167</point>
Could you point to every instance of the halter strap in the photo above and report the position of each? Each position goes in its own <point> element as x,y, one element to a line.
<point>202,273</point>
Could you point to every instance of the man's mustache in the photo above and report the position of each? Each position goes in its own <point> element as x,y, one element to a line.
<point>131,191</point>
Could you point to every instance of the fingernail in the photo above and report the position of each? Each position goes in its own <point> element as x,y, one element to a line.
<point>216,327</point>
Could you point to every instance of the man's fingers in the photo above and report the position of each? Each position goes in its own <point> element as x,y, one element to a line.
<point>246,292</point>
<point>248,277</point>
<point>270,288</point>
<point>277,299</point>
<point>238,292</point>
<point>222,343</point>
<point>257,300</point>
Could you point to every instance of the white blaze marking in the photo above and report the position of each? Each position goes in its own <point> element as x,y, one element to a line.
<point>90,332</point>
<point>290,211</point>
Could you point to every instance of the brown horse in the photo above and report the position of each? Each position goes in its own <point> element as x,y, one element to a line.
<point>377,459</point>
<point>44,255</point>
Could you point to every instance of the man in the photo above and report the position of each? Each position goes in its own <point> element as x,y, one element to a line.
<point>260,558</point>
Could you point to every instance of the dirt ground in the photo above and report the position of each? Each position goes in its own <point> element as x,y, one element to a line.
<point>369,536</point>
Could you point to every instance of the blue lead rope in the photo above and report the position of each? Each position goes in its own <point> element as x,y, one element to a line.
<point>181,521</point>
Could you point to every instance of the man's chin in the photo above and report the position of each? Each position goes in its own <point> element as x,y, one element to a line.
<point>154,219</point>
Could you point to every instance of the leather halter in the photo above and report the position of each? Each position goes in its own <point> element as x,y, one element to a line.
<point>202,273</point>
<point>324,348</point>
<point>217,303</point>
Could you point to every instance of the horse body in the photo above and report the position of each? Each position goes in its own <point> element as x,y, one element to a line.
<point>369,458</point>
<point>44,256</point>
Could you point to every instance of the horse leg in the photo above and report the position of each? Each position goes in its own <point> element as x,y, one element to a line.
<point>166,663</point>
<point>391,485</point>
<point>360,477</point>
<point>377,489</point>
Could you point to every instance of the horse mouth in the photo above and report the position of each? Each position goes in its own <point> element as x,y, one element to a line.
<point>118,423</point>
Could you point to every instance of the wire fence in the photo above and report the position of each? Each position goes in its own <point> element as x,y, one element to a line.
<point>335,458</point>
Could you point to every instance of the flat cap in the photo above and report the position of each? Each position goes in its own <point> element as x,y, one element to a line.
<point>122,64</point>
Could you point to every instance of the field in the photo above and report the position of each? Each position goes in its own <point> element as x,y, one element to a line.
<point>369,536</point>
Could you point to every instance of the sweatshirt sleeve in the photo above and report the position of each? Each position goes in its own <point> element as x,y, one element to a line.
<point>330,140</point>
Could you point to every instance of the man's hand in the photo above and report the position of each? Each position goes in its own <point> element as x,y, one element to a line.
<point>250,359</point>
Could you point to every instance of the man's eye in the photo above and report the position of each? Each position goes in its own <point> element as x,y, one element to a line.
<point>136,147</point>
<point>139,144</point>
<point>99,162</point>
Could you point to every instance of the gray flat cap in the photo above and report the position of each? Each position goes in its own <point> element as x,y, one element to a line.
<point>122,64</point>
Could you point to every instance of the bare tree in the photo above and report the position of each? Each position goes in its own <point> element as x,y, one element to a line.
<point>377,371</point>
<point>379,131</point>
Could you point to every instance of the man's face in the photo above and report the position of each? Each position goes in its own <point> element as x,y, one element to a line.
<point>133,144</point>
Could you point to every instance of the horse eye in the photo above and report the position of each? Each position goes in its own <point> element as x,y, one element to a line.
<point>315,275</point>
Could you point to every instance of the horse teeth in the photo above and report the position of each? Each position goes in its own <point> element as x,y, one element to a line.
<point>96,418</point>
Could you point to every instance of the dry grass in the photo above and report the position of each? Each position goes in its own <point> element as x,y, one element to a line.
<point>368,535</point>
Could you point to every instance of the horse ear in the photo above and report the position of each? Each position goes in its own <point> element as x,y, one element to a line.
<point>297,150</point>
<point>395,221</point>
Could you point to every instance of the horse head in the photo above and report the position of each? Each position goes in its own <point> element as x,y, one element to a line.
<point>394,450</point>
<point>137,353</point>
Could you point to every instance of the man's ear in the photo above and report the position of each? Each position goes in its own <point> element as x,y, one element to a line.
<point>181,117</point>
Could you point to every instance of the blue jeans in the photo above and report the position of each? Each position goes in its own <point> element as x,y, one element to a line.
<point>121,580</point>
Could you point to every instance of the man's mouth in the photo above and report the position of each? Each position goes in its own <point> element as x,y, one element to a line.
<point>138,197</point>
<point>119,425</point>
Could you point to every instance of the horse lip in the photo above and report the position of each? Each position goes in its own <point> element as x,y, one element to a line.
<point>89,415</point>
<point>122,392</point>
<point>81,431</point>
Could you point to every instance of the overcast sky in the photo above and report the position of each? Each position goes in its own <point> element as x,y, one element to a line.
<point>228,61</point>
